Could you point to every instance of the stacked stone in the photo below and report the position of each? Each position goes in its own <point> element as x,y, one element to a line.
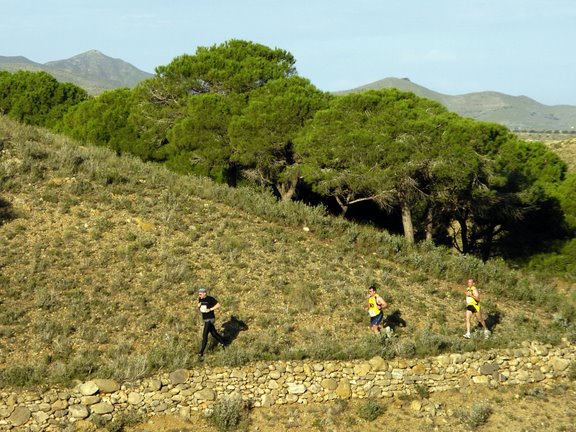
<point>283,382</point>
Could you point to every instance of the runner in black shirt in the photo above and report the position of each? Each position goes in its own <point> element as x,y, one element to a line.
<point>207,306</point>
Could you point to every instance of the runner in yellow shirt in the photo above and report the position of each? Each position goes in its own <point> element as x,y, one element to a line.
<point>375,306</point>
<point>473,307</point>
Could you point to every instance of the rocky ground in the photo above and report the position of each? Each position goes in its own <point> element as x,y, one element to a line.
<point>538,407</point>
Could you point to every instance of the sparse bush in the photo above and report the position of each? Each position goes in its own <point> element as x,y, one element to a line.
<point>169,354</point>
<point>80,367</point>
<point>475,417</point>
<point>99,420</point>
<point>405,349</point>
<point>302,295</point>
<point>428,343</point>
<point>230,414</point>
<point>11,316</point>
<point>128,367</point>
<point>318,423</point>
<point>371,409</point>
<point>351,421</point>
<point>22,376</point>
<point>236,356</point>
<point>572,371</point>
<point>422,391</point>
<point>124,420</point>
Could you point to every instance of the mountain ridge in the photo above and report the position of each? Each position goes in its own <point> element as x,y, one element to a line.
<point>515,112</point>
<point>96,72</point>
<point>92,70</point>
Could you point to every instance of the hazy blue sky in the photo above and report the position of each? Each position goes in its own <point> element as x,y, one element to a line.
<point>518,47</point>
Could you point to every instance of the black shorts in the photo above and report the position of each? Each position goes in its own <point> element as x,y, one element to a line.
<point>473,308</point>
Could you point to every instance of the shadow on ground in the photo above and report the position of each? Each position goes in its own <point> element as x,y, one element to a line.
<point>6,211</point>
<point>394,320</point>
<point>492,320</point>
<point>231,329</point>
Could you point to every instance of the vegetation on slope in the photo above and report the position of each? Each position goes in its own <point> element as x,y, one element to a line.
<point>101,256</point>
<point>238,113</point>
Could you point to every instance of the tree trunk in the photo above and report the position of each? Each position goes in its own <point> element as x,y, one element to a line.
<point>463,234</point>
<point>232,174</point>
<point>343,206</point>
<point>407,222</point>
<point>429,224</point>
<point>489,242</point>
<point>287,189</point>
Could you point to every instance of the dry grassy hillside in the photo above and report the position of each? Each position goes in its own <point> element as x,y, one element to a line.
<point>564,145</point>
<point>101,256</point>
<point>566,149</point>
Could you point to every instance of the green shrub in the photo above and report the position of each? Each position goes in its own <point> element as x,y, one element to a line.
<point>21,376</point>
<point>371,409</point>
<point>429,343</point>
<point>235,356</point>
<point>171,353</point>
<point>80,367</point>
<point>230,414</point>
<point>302,295</point>
<point>572,371</point>
<point>99,421</point>
<point>422,391</point>
<point>11,316</point>
<point>124,420</point>
<point>476,417</point>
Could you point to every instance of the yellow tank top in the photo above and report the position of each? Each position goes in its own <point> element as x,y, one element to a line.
<point>373,308</point>
<point>469,299</point>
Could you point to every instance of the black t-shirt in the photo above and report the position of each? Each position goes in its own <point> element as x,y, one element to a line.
<point>209,302</point>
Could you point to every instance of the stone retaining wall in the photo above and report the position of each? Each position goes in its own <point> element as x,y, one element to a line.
<point>283,382</point>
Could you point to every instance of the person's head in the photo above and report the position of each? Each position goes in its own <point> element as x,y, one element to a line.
<point>372,290</point>
<point>202,292</point>
<point>470,282</point>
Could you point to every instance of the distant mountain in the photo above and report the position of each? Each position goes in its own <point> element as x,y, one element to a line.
<point>92,70</point>
<point>96,72</point>
<point>515,112</point>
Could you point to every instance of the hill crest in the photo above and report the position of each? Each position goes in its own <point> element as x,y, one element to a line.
<point>515,112</point>
<point>92,70</point>
<point>96,72</point>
